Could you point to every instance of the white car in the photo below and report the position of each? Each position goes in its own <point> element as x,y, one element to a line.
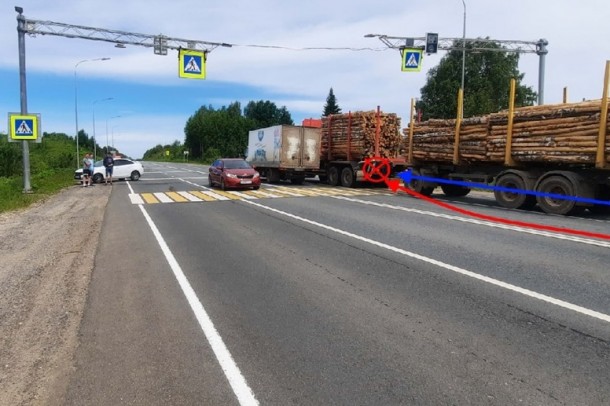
<point>123,169</point>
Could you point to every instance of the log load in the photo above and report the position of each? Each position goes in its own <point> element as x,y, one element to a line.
<point>351,136</point>
<point>560,133</point>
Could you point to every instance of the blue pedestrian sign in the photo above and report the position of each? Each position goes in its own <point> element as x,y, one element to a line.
<point>192,64</point>
<point>24,127</point>
<point>411,59</point>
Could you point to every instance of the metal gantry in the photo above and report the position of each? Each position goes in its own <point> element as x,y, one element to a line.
<point>479,44</point>
<point>160,43</point>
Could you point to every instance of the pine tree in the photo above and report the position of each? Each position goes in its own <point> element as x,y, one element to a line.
<point>331,106</point>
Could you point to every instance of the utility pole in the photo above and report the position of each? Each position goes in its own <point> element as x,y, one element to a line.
<point>21,30</point>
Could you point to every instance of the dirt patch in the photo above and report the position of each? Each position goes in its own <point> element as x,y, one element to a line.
<point>46,258</point>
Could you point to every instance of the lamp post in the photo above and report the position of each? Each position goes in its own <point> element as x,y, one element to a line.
<point>463,56</point>
<point>94,144</point>
<point>113,127</point>
<point>108,145</point>
<point>76,103</point>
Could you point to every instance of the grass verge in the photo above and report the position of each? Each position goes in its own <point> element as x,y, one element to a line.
<point>44,184</point>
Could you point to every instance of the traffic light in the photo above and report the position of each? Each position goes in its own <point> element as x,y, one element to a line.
<point>431,43</point>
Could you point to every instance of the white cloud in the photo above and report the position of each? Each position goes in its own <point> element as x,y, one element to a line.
<point>301,79</point>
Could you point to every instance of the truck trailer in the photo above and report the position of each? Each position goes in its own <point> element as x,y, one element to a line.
<point>335,151</point>
<point>561,149</point>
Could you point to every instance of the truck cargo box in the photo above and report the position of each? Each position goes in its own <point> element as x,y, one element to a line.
<point>284,147</point>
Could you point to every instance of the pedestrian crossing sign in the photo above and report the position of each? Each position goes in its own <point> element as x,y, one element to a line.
<point>411,59</point>
<point>24,127</point>
<point>191,64</point>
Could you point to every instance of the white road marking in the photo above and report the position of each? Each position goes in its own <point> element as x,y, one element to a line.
<point>244,196</point>
<point>550,234</point>
<point>238,383</point>
<point>190,197</point>
<point>163,198</point>
<point>214,195</point>
<point>136,198</point>
<point>483,278</point>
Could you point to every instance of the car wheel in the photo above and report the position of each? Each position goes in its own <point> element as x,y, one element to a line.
<point>135,175</point>
<point>256,187</point>
<point>210,183</point>
<point>98,178</point>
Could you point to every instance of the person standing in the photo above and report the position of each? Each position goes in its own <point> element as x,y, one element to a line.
<point>87,170</point>
<point>108,164</point>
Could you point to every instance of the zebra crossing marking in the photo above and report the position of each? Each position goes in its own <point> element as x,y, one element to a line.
<point>208,195</point>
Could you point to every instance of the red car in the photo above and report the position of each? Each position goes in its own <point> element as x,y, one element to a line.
<point>233,173</point>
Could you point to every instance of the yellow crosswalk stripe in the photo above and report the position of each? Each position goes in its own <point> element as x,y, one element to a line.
<point>149,198</point>
<point>203,196</point>
<point>176,197</point>
<point>227,194</point>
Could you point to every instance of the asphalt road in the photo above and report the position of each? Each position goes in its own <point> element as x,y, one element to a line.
<point>325,296</point>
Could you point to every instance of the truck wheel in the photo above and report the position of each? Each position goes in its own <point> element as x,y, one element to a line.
<point>323,178</point>
<point>333,176</point>
<point>557,185</point>
<point>420,187</point>
<point>513,200</point>
<point>455,190</point>
<point>348,179</point>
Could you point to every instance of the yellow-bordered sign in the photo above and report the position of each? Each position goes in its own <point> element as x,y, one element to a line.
<point>191,64</point>
<point>411,59</point>
<point>24,126</point>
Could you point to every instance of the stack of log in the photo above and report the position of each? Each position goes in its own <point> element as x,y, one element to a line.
<point>561,133</point>
<point>359,135</point>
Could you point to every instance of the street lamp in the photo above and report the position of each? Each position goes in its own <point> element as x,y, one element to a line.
<point>113,127</point>
<point>463,57</point>
<point>76,103</point>
<point>108,145</point>
<point>94,144</point>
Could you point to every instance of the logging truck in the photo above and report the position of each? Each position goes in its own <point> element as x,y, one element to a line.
<point>335,151</point>
<point>561,149</point>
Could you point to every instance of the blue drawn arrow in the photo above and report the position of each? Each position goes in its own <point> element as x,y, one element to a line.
<point>408,176</point>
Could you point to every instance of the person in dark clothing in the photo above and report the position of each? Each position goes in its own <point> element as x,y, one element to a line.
<point>108,164</point>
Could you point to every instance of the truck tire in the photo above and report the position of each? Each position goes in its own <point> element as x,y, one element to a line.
<point>348,178</point>
<point>512,200</point>
<point>323,178</point>
<point>455,190</point>
<point>333,176</point>
<point>420,187</point>
<point>557,185</point>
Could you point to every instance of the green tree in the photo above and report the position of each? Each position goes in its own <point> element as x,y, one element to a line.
<point>486,82</point>
<point>211,132</point>
<point>267,114</point>
<point>331,106</point>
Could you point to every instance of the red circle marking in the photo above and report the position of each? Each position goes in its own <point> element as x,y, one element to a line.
<point>375,167</point>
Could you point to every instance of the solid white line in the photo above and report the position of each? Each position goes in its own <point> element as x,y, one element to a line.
<point>238,383</point>
<point>492,281</point>
<point>550,234</point>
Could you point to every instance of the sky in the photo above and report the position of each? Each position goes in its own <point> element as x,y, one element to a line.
<point>150,104</point>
